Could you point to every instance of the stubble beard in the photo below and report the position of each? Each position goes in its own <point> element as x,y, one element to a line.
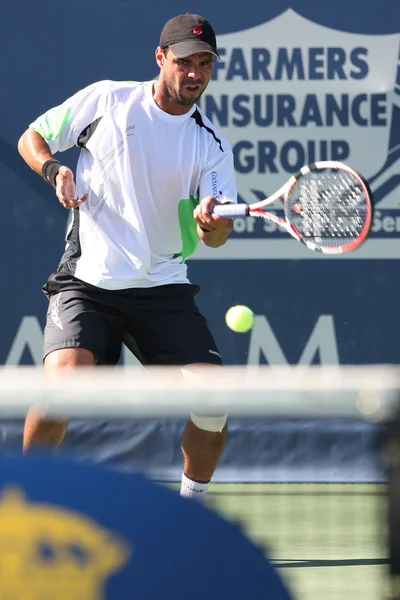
<point>182,100</point>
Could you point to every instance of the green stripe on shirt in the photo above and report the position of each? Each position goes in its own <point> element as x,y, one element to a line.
<point>50,125</point>
<point>188,227</point>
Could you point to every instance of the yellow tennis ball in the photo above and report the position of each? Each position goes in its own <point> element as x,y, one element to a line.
<point>240,318</point>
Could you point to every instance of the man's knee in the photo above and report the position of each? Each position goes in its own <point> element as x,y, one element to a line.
<point>214,424</point>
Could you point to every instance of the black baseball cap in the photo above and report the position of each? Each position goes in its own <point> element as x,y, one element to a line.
<point>187,34</point>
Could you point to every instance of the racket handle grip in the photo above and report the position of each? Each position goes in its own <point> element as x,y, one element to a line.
<point>230,211</point>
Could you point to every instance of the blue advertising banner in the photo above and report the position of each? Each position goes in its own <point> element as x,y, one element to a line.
<point>294,84</point>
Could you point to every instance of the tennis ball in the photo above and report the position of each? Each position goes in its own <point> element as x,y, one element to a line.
<point>240,318</point>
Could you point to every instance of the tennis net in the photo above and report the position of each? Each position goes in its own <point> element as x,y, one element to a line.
<point>306,469</point>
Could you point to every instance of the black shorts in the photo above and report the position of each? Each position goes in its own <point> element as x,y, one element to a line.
<point>160,325</point>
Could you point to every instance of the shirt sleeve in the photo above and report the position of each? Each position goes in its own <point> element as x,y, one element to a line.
<point>61,126</point>
<point>218,177</point>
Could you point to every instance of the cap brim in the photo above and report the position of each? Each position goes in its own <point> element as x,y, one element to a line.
<point>188,47</point>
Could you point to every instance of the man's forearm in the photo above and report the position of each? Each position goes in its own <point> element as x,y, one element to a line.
<point>34,150</point>
<point>215,238</point>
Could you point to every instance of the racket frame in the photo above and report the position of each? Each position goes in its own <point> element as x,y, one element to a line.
<point>256,209</point>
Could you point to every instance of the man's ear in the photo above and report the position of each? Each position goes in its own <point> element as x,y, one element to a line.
<point>160,56</point>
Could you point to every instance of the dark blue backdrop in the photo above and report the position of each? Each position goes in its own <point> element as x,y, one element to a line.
<point>326,310</point>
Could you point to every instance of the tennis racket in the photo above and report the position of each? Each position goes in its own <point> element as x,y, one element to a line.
<point>327,205</point>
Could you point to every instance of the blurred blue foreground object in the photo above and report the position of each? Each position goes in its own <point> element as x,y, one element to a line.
<point>71,531</point>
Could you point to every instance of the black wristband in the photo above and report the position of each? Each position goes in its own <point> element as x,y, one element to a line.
<point>50,171</point>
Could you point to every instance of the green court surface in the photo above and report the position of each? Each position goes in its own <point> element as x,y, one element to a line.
<point>328,541</point>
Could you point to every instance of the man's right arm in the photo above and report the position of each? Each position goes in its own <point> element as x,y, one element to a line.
<point>36,152</point>
<point>57,130</point>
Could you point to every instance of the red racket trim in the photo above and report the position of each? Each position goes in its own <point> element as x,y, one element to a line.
<point>257,212</point>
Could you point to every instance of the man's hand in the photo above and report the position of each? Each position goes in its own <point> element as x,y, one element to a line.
<point>65,189</point>
<point>213,231</point>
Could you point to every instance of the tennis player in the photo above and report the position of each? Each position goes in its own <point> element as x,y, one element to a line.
<point>151,167</point>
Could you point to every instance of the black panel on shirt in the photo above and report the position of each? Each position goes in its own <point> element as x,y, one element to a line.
<point>87,133</point>
<point>73,250</point>
<point>199,121</point>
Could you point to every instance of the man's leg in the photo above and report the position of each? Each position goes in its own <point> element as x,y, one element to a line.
<point>203,442</point>
<point>47,434</point>
<point>173,332</point>
<point>201,453</point>
<point>83,327</point>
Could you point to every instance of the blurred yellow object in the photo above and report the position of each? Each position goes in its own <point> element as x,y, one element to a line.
<point>50,553</point>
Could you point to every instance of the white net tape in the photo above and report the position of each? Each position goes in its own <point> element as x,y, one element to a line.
<point>369,392</point>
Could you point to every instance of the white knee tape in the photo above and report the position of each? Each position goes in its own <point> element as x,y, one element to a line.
<point>214,424</point>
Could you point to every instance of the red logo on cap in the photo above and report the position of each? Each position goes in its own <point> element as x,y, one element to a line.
<point>197,30</point>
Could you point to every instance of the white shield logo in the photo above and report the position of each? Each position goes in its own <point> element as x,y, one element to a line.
<point>289,92</point>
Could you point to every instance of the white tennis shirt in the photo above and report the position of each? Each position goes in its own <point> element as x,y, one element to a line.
<point>145,171</point>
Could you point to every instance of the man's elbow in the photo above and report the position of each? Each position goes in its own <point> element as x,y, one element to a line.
<point>22,142</point>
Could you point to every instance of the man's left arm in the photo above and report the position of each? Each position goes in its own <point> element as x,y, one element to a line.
<point>217,186</point>
<point>213,231</point>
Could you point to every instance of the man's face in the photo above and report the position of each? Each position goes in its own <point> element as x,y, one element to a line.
<point>184,79</point>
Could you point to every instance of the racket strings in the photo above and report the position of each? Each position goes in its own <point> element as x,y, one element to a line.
<point>327,207</point>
